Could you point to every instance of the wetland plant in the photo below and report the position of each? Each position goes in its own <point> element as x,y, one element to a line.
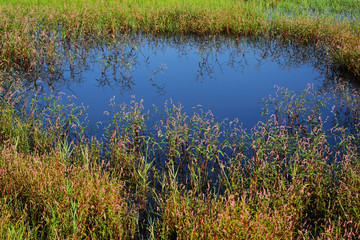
<point>27,29</point>
<point>294,175</point>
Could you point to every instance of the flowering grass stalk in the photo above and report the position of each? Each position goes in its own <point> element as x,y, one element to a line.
<point>294,175</point>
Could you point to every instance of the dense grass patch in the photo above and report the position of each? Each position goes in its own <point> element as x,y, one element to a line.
<point>332,24</point>
<point>294,175</point>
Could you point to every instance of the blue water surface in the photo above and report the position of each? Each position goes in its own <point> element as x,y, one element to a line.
<point>226,76</point>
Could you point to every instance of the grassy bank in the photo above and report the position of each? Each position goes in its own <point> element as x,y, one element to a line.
<point>294,175</point>
<point>333,25</point>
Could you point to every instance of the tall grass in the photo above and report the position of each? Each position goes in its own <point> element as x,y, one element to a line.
<point>294,175</point>
<point>317,22</point>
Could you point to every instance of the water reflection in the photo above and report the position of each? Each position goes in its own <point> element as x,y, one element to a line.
<point>224,74</point>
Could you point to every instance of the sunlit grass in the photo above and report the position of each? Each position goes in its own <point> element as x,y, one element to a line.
<point>189,176</point>
<point>333,25</point>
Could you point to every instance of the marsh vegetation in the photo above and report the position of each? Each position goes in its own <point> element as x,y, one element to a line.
<point>177,174</point>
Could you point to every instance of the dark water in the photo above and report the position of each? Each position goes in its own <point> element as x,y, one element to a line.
<point>227,76</point>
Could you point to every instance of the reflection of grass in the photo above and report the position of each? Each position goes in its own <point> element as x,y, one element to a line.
<point>188,176</point>
<point>321,22</point>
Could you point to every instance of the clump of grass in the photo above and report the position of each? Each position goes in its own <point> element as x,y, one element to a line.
<point>52,183</point>
<point>54,200</point>
<point>309,22</point>
<point>202,217</point>
<point>294,175</point>
<point>284,180</point>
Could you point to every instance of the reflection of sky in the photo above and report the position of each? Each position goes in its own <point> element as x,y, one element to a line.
<point>231,94</point>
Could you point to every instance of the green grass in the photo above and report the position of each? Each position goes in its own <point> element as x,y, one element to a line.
<point>323,23</point>
<point>189,176</point>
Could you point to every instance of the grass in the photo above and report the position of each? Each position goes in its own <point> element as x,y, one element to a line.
<point>332,24</point>
<point>294,175</point>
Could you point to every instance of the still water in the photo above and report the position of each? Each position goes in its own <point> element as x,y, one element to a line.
<point>227,76</point>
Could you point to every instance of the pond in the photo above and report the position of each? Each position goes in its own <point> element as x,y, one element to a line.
<point>227,76</point>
